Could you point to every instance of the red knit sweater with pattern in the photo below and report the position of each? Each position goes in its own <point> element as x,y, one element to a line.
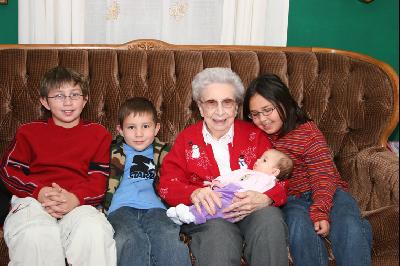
<point>183,171</point>
<point>314,169</point>
<point>75,158</point>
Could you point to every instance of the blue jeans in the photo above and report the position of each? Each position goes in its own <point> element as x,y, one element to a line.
<point>147,237</point>
<point>350,235</point>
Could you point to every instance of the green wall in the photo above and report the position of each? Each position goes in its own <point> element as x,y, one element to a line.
<point>9,22</point>
<point>371,29</point>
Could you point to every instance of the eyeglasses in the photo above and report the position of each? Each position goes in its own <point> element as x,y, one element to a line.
<point>264,112</point>
<point>62,97</point>
<point>212,105</point>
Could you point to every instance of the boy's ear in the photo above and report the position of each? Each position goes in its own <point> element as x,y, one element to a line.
<point>119,129</point>
<point>85,99</point>
<point>157,129</point>
<point>44,102</point>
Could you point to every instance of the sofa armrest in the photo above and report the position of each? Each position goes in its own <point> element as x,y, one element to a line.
<point>385,226</point>
<point>373,177</point>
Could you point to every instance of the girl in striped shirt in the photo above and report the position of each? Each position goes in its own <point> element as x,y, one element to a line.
<point>319,205</point>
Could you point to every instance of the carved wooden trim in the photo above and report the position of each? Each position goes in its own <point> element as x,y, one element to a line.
<point>147,44</point>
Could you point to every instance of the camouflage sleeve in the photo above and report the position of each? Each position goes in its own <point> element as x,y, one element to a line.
<point>161,149</point>
<point>117,163</point>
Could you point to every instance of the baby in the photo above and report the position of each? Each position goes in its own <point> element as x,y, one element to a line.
<point>270,170</point>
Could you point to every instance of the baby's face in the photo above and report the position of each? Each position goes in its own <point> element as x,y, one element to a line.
<point>267,162</point>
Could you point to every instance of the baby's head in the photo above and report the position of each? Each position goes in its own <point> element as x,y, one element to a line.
<point>274,162</point>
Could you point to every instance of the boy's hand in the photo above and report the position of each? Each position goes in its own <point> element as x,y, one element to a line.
<point>42,196</point>
<point>55,194</point>
<point>71,202</point>
<point>322,228</point>
<point>50,198</point>
<point>59,201</point>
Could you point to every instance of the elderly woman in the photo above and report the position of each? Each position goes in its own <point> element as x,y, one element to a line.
<point>218,145</point>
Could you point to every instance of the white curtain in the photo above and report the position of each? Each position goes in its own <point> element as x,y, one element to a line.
<point>248,22</point>
<point>255,22</point>
<point>51,21</point>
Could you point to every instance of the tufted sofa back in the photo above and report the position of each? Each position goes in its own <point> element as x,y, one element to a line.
<point>352,98</point>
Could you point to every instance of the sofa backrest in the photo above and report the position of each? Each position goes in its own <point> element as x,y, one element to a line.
<point>353,98</point>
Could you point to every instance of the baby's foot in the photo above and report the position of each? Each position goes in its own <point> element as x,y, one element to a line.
<point>171,213</point>
<point>184,214</point>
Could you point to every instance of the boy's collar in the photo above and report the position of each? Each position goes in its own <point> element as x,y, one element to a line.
<point>51,122</point>
<point>131,149</point>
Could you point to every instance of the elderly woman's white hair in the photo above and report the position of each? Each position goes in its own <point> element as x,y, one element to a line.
<point>217,75</point>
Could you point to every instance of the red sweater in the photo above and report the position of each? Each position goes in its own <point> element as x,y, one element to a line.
<point>314,169</point>
<point>77,159</point>
<point>181,174</point>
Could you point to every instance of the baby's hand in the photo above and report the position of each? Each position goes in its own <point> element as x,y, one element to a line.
<point>216,184</point>
<point>322,228</point>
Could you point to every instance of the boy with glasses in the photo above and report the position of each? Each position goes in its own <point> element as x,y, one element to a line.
<point>56,170</point>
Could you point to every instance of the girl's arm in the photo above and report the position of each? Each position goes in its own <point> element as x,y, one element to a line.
<point>322,173</point>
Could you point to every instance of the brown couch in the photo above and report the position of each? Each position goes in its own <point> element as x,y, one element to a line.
<point>353,99</point>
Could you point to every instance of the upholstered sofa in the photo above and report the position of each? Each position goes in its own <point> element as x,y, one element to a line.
<point>352,97</point>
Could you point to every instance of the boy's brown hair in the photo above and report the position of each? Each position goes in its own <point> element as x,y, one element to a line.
<point>59,76</point>
<point>136,106</point>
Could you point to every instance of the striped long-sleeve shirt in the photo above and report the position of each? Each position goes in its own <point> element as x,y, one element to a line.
<point>314,169</point>
<point>75,158</point>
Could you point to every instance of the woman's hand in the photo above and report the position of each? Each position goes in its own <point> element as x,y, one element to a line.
<point>244,203</point>
<point>322,228</point>
<point>207,198</point>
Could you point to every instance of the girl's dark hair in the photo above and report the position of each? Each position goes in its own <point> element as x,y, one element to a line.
<point>275,91</point>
